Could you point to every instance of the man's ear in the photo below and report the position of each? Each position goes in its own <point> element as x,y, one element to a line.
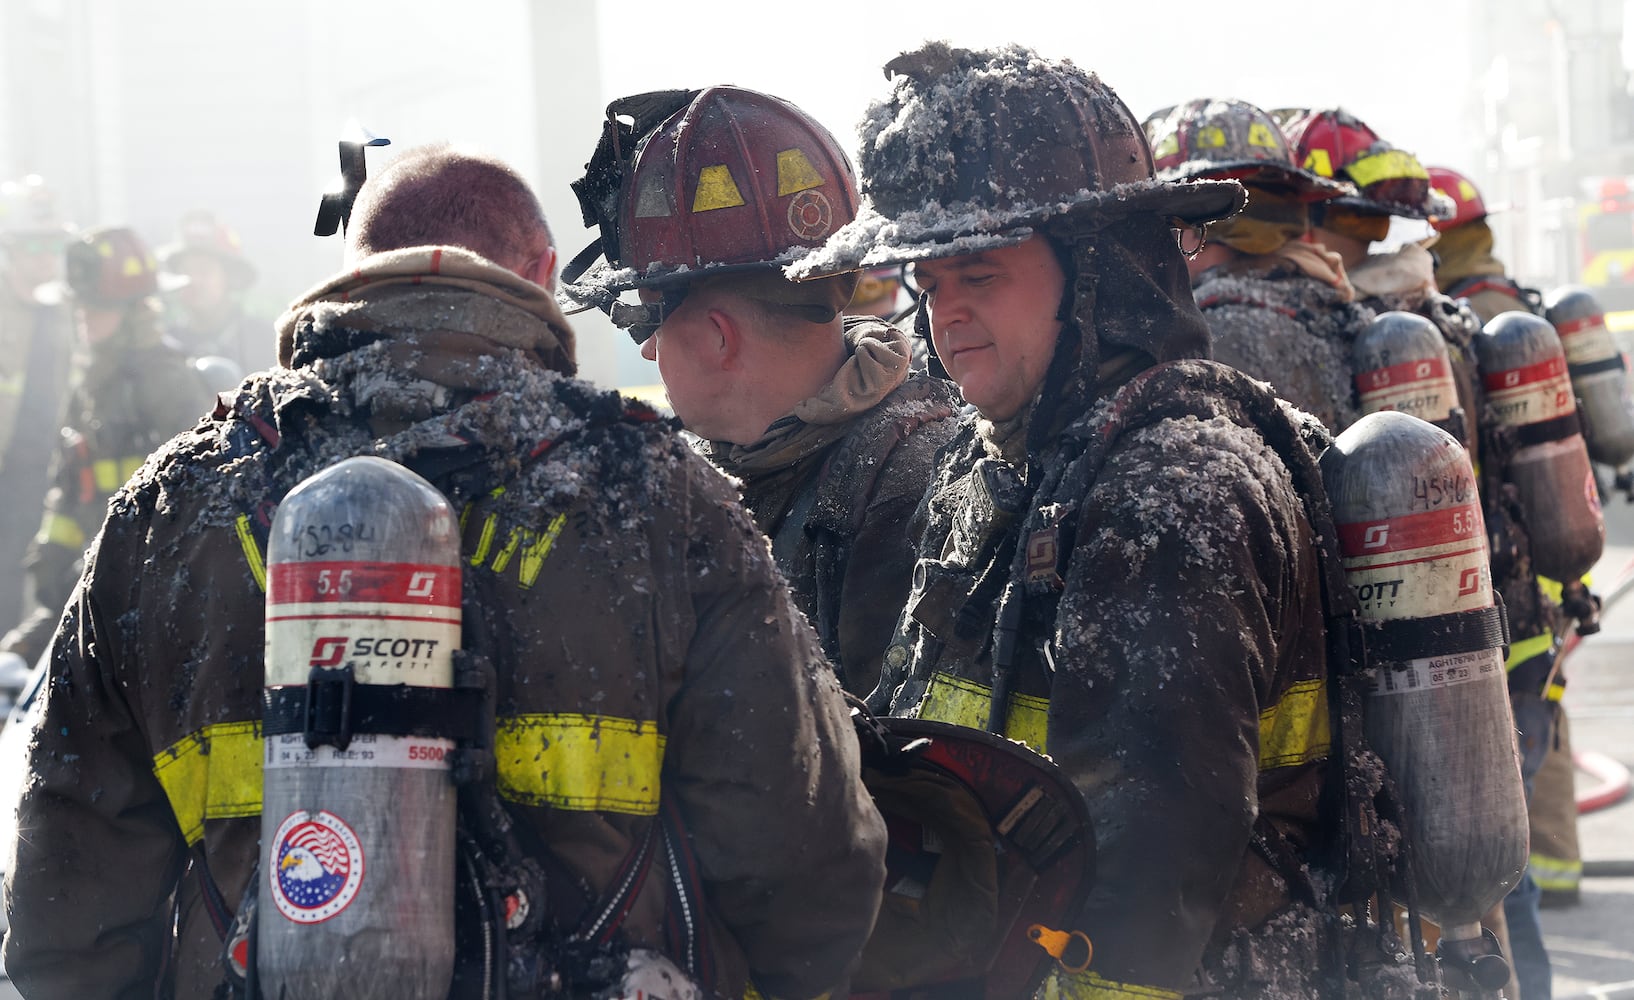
<point>544,270</point>
<point>728,339</point>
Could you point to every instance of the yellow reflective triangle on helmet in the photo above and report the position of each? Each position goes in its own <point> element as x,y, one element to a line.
<point>795,173</point>
<point>716,189</point>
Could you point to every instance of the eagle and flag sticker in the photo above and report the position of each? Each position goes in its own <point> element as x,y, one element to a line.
<point>317,866</point>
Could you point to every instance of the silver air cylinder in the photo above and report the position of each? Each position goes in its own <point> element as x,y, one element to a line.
<point>1597,372</point>
<point>357,839</point>
<point>1401,364</point>
<point>1523,370</point>
<point>1414,548</point>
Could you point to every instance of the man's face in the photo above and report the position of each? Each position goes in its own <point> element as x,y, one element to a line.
<point>206,289</point>
<point>686,348</point>
<point>993,321</point>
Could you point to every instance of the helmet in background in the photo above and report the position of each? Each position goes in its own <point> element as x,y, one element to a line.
<point>111,268</point>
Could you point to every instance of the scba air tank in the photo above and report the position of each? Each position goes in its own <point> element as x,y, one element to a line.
<point>1598,374</point>
<point>1523,369</point>
<point>357,828</point>
<point>1414,548</point>
<point>1401,364</point>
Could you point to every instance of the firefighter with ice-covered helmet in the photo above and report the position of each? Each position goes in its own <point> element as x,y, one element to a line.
<point>701,198</point>
<point>1068,592</point>
<point>35,347</point>
<point>132,392</point>
<point>1280,308</point>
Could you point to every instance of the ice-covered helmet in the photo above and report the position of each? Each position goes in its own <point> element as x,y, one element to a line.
<point>1336,144</point>
<point>691,184</point>
<point>1461,192</point>
<point>110,268</point>
<point>1209,138</point>
<point>978,149</point>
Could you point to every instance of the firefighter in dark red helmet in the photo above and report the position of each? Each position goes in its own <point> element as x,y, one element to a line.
<point>1118,567</point>
<point>132,392</point>
<point>818,415</point>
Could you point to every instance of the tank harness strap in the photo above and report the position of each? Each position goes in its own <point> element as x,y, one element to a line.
<point>331,706</point>
<point>1558,429</point>
<point>1611,364</point>
<point>1403,639</point>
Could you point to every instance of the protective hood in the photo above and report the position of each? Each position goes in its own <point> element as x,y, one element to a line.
<point>507,309</point>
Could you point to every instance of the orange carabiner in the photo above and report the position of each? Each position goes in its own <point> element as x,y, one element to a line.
<point>1070,949</point>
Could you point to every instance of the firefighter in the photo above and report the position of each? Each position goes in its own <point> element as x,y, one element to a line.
<point>818,415</point>
<point>1117,568</point>
<point>1280,308</point>
<point>1466,268</point>
<point>35,347</point>
<point>647,656</point>
<point>207,274</point>
<point>131,392</point>
<point>1392,183</point>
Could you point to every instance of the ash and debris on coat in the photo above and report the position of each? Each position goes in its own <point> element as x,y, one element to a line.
<point>1290,330</point>
<point>1281,959</point>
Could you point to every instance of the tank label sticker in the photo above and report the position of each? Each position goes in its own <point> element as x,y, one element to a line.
<point>1418,565</point>
<point>1422,388</point>
<point>1531,394</point>
<point>338,582</point>
<point>1438,672</point>
<point>420,753</point>
<point>315,866</point>
<point>1586,340</point>
<point>393,623</point>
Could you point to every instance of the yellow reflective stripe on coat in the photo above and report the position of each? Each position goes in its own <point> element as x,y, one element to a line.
<point>1293,731</point>
<point>579,762</point>
<point>1296,729</point>
<point>963,702</point>
<point>584,762</point>
<point>112,473</point>
<point>1088,986</point>
<point>1555,874</point>
<point>1525,649</point>
<point>214,773</point>
<point>59,529</point>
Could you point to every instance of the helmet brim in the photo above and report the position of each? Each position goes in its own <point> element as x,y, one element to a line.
<point>1301,185</point>
<point>963,228</point>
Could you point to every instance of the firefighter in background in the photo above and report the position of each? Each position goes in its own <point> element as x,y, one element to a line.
<point>1466,268</point>
<point>878,294</point>
<point>206,274</point>
<point>819,416</point>
<point>1392,183</point>
<point>36,344</point>
<point>1108,612</point>
<point>1279,307</point>
<point>131,392</point>
<point>646,654</point>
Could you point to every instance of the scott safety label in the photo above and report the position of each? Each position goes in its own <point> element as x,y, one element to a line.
<point>1418,565</point>
<point>421,753</point>
<point>1531,394</point>
<point>394,623</point>
<point>1422,388</point>
<point>1438,672</point>
<point>1586,340</point>
<point>315,866</point>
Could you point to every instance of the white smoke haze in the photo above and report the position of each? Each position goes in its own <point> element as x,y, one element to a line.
<point>139,110</point>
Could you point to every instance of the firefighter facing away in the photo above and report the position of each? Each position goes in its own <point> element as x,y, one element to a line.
<point>648,658</point>
<point>818,415</point>
<point>1118,568</point>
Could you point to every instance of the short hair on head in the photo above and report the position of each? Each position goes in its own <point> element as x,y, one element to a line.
<point>442,195</point>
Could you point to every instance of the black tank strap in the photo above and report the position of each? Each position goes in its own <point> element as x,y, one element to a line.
<point>1404,639</point>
